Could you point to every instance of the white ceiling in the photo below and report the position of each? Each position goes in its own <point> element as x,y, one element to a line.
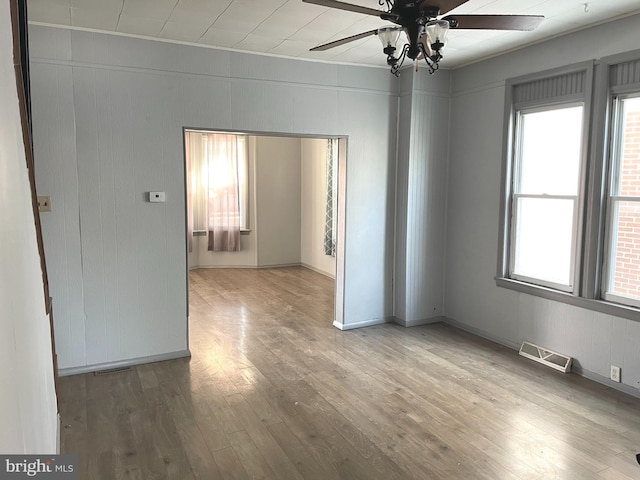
<point>290,27</point>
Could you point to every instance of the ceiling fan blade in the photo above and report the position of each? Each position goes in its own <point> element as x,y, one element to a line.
<point>342,41</point>
<point>497,22</point>
<point>443,6</point>
<point>345,6</point>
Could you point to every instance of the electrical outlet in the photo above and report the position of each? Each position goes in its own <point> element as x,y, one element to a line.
<point>615,373</point>
<point>44,204</point>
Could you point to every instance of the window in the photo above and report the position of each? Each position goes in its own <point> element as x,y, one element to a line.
<point>545,198</point>
<point>622,277</point>
<point>545,156</point>
<point>570,222</point>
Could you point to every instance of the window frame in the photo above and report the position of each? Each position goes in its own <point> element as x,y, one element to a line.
<point>512,110</point>
<point>515,195</point>
<point>613,160</point>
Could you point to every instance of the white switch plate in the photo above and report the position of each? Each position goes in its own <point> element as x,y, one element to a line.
<point>156,197</point>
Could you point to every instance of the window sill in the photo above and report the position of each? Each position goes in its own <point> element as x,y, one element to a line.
<point>602,306</point>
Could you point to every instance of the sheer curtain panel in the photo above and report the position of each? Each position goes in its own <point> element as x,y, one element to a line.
<point>223,205</point>
<point>213,192</point>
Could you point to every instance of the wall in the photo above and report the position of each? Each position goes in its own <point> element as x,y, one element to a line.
<point>421,196</point>
<point>28,412</point>
<point>313,205</point>
<point>108,117</point>
<point>472,298</point>
<point>278,200</point>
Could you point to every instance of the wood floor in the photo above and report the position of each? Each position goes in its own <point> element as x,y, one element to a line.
<point>273,391</point>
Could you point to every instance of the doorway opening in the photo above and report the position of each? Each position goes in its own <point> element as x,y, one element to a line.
<point>284,204</point>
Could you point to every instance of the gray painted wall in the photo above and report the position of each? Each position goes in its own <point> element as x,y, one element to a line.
<point>472,298</point>
<point>278,206</point>
<point>421,196</point>
<point>108,119</point>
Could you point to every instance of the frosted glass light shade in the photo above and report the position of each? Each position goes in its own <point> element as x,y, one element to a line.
<point>389,36</point>
<point>437,31</point>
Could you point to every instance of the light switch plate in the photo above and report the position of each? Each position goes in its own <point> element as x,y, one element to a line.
<point>156,197</point>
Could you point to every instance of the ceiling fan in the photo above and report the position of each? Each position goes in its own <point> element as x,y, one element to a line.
<point>426,33</point>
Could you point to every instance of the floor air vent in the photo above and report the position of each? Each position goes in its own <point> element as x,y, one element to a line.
<point>112,370</point>
<point>546,357</point>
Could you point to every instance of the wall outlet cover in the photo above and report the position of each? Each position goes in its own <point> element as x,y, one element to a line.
<point>44,204</point>
<point>615,373</point>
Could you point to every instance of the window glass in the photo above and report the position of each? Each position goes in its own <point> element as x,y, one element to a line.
<point>550,151</point>
<point>544,237</point>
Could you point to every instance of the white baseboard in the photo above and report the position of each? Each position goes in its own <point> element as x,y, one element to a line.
<point>415,323</point>
<point>255,267</point>
<point>575,367</point>
<point>199,267</point>
<point>365,323</point>
<point>65,372</point>
<point>482,333</point>
<point>601,379</point>
<point>317,270</point>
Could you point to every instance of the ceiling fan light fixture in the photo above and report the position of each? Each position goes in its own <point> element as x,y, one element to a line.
<point>426,36</point>
<point>389,38</point>
<point>436,32</point>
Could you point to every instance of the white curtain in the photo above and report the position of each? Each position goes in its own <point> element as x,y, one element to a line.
<point>213,199</point>
<point>223,207</point>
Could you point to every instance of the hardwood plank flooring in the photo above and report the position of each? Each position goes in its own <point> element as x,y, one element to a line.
<point>273,391</point>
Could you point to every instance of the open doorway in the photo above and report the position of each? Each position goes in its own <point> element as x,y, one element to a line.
<point>290,208</point>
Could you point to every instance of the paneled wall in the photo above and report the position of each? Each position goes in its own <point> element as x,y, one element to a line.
<point>421,196</point>
<point>108,119</point>
<point>472,298</point>
<point>278,211</point>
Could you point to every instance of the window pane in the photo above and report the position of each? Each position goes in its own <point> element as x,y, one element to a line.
<point>549,160</point>
<point>625,253</point>
<point>543,239</point>
<point>628,182</point>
